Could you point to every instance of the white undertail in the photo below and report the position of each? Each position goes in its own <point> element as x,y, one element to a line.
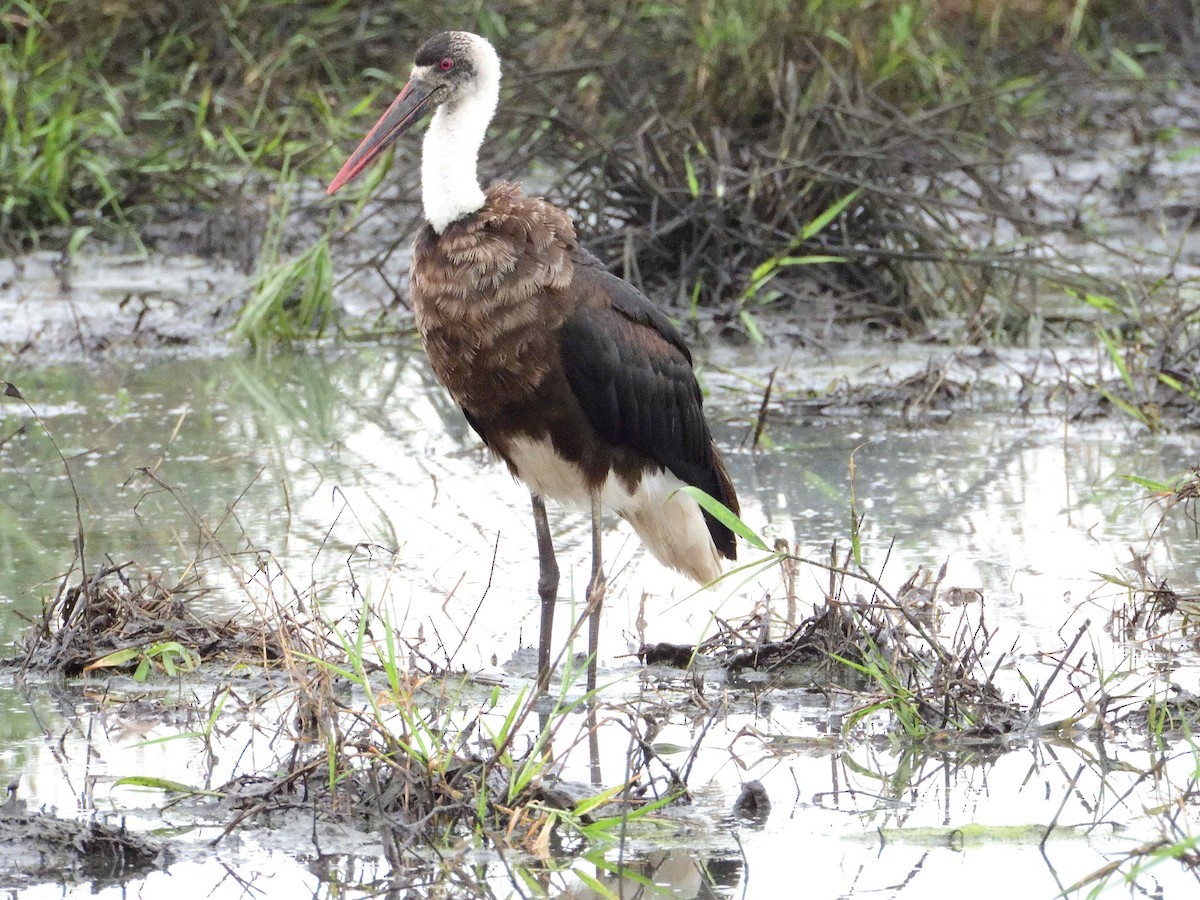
<point>669,522</point>
<point>450,153</point>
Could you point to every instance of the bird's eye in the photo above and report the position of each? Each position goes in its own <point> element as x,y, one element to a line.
<point>446,64</point>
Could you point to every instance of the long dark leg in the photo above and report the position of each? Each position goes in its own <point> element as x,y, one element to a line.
<point>547,588</point>
<point>595,595</point>
<point>594,742</point>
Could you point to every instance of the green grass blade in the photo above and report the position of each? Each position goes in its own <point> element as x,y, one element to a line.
<point>818,224</point>
<point>162,784</point>
<point>726,517</point>
<point>1156,486</point>
<point>1114,354</point>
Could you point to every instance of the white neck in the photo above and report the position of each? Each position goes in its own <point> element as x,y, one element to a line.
<point>450,153</point>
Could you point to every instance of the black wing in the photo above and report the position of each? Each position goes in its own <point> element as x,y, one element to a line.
<point>632,374</point>
<point>475,425</point>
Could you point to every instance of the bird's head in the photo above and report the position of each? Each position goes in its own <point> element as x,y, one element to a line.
<point>449,68</point>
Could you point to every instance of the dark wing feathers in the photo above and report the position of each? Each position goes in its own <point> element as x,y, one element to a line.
<point>475,424</point>
<point>632,374</point>
<point>628,300</point>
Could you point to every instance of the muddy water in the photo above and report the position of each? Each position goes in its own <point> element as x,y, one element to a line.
<point>352,465</point>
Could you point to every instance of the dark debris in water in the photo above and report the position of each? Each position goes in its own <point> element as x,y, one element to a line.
<point>678,656</point>
<point>930,394</point>
<point>39,847</point>
<point>1154,610</point>
<point>753,802</point>
<point>413,805</point>
<point>123,610</point>
<point>1175,715</point>
<point>885,651</point>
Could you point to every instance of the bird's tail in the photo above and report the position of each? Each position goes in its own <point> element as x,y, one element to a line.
<point>675,530</point>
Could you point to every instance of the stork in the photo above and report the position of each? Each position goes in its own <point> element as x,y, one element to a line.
<point>568,374</point>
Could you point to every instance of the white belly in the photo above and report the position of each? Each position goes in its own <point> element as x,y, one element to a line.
<point>669,523</point>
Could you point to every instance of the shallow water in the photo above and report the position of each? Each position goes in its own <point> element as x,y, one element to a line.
<point>352,464</point>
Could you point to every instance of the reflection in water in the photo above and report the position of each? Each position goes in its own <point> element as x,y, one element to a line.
<point>324,460</point>
<point>356,474</point>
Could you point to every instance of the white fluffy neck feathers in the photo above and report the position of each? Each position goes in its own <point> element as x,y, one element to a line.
<point>450,154</point>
